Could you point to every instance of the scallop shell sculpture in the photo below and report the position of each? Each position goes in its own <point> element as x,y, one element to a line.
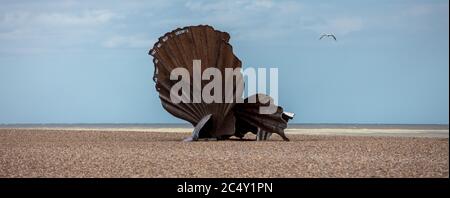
<point>178,49</point>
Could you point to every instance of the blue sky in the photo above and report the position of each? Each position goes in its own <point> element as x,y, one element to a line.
<point>86,61</point>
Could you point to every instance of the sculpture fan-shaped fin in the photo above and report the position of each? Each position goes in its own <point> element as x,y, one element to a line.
<point>217,119</point>
<point>203,125</point>
<point>178,49</point>
<point>250,119</point>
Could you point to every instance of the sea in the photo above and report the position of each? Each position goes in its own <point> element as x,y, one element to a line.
<point>402,130</point>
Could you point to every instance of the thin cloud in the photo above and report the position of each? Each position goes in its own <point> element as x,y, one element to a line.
<point>346,25</point>
<point>93,17</point>
<point>338,25</point>
<point>14,34</point>
<point>248,20</point>
<point>425,9</point>
<point>53,29</point>
<point>134,41</point>
<point>86,18</point>
<point>253,20</point>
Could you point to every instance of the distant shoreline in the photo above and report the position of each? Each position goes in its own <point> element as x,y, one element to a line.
<point>186,125</point>
<point>435,131</point>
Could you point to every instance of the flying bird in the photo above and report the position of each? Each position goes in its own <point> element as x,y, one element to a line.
<point>327,35</point>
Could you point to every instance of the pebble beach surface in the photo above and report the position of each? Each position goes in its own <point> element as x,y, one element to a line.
<point>61,153</point>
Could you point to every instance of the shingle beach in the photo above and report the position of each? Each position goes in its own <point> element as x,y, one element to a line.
<point>60,153</point>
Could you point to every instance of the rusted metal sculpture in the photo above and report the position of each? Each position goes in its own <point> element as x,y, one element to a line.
<point>179,48</point>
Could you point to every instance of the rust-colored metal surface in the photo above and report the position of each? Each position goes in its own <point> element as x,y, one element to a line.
<point>249,118</point>
<point>179,48</point>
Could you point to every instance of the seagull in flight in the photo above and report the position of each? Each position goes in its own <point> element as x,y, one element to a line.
<point>328,35</point>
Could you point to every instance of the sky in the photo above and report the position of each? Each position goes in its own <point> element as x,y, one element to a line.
<point>67,61</point>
